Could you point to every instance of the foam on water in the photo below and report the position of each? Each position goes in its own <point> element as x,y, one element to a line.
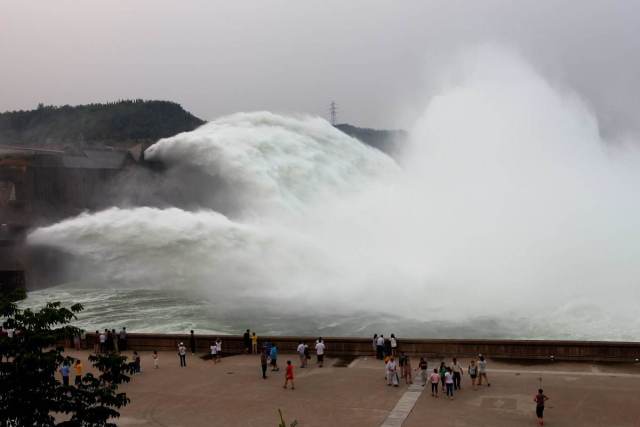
<point>510,215</point>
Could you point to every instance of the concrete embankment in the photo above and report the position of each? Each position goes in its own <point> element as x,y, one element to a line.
<point>591,351</point>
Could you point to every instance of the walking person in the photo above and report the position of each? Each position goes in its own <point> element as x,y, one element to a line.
<point>422,367</point>
<point>254,343</point>
<point>156,360</point>
<point>407,370</point>
<point>64,371</point>
<point>320,349</point>
<point>78,371</point>
<point>448,380</point>
<point>401,361</point>
<point>540,398</point>
<point>380,347</point>
<point>307,355</point>
<point>392,372</point>
<point>435,381</point>
<point>115,341</point>
<point>263,363</point>
<point>473,373</point>
<point>288,376</point>
<point>457,374</point>
<point>442,371</point>
<point>182,354</point>
<point>300,351</point>
<point>482,371</point>
<point>246,340</point>
<point>137,368</point>
<point>393,343</point>
<point>213,348</point>
<point>192,342</point>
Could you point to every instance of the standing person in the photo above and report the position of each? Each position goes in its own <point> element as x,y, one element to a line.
<point>375,344</point>
<point>448,380</point>
<point>392,372</point>
<point>103,341</point>
<point>76,341</point>
<point>407,370</point>
<point>300,351</point>
<point>64,371</point>
<point>288,376</point>
<point>435,380</point>
<point>96,344</point>
<point>307,355</point>
<point>115,341</point>
<point>540,398</point>
<point>473,373</point>
<point>422,367</point>
<point>78,371</point>
<point>218,349</point>
<point>109,340</point>
<point>482,371</point>
<point>182,354</point>
<point>320,348</point>
<point>393,342</point>
<point>136,363</point>
<point>457,374</point>
<point>380,347</point>
<point>123,339</point>
<point>254,343</point>
<point>214,352</point>
<point>274,358</point>
<point>401,361</point>
<point>263,363</point>
<point>387,347</point>
<point>442,371</point>
<point>192,341</point>
<point>156,361</point>
<point>246,340</point>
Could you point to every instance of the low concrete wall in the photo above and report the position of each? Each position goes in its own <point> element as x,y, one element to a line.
<point>432,348</point>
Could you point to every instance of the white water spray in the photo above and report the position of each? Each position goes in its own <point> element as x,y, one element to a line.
<point>508,204</point>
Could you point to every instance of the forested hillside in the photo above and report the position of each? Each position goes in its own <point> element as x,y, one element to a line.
<point>115,123</point>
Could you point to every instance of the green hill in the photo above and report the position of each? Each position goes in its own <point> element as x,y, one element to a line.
<point>114,123</point>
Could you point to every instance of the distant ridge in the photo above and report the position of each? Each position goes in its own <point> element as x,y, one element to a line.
<point>388,141</point>
<point>115,123</point>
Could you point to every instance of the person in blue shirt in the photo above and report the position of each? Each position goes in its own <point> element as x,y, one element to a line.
<point>274,358</point>
<point>65,370</point>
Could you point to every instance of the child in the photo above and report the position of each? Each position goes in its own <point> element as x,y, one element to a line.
<point>540,398</point>
<point>289,375</point>
<point>448,381</point>
<point>392,372</point>
<point>435,380</point>
<point>473,373</point>
<point>155,359</point>
<point>442,372</point>
<point>78,368</point>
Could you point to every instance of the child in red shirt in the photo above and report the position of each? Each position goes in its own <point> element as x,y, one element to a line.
<point>289,375</point>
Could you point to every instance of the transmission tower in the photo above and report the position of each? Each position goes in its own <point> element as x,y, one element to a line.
<point>333,110</point>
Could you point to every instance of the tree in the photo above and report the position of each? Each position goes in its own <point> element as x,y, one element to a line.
<point>30,394</point>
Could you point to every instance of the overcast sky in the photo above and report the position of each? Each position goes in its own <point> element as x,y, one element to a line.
<point>374,58</point>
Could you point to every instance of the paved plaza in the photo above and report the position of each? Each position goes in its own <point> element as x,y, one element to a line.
<point>232,393</point>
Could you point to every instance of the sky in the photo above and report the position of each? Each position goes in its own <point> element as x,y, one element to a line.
<point>376,59</point>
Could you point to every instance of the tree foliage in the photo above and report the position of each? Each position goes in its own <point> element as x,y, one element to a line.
<point>114,123</point>
<point>30,393</point>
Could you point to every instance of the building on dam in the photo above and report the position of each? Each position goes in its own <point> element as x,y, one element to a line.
<point>41,185</point>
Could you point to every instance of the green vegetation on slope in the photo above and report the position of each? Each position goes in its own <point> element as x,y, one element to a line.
<point>114,123</point>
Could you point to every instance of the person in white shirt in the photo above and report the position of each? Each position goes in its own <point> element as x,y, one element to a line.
<point>380,347</point>
<point>103,342</point>
<point>214,352</point>
<point>456,368</point>
<point>219,349</point>
<point>394,345</point>
<point>320,348</point>
<point>303,358</point>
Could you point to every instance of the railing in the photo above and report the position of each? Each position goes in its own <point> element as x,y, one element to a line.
<point>432,348</point>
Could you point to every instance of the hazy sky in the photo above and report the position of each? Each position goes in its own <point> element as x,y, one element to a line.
<point>375,58</point>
